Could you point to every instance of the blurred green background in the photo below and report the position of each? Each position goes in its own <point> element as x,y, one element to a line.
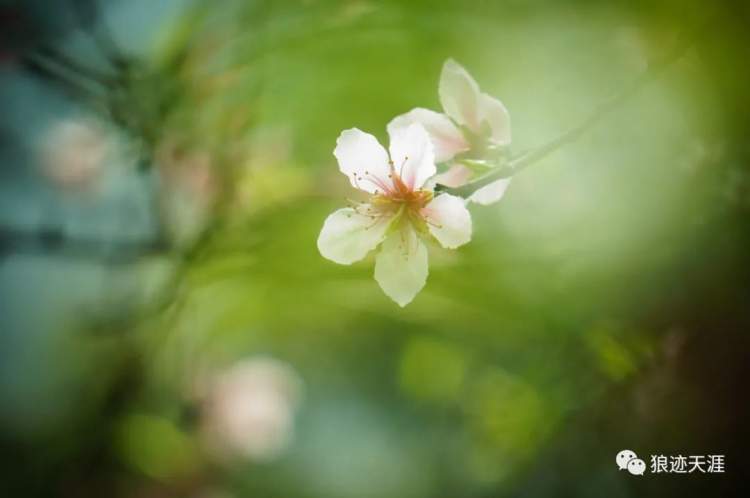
<point>603,304</point>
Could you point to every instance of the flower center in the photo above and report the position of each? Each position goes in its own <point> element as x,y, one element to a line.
<point>396,201</point>
<point>402,203</point>
<point>401,196</point>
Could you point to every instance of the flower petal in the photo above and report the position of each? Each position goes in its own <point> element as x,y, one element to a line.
<point>459,95</point>
<point>363,160</point>
<point>448,220</point>
<point>401,266</point>
<point>457,175</point>
<point>348,234</point>
<point>446,137</point>
<point>494,112</point>
<point>413,155</point>
<point>491,193</point>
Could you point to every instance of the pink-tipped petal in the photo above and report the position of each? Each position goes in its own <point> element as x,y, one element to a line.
<point>448,220</point>
<point>413,155</point>
<point>446,138</point>
<point>491,193</point>
<point>363,160</point>
<point>457,175</point>
<point>494,112</point>
<point>459,95</point>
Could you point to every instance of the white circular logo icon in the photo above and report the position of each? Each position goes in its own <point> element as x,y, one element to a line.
<point>624,457</point>
<point>628,460</point>
<point>636,466</point>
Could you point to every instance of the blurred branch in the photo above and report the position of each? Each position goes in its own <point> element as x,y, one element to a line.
<point>62,59</point>
<point>88,13</point>
<point>78,85</point>
<point>54,242</point>
<point>526,159</point>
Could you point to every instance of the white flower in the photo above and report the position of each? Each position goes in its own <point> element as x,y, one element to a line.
<point>473,121</point>
<point>400,213</point>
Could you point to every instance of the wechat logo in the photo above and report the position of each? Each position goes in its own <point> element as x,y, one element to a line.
<point>628,460</point>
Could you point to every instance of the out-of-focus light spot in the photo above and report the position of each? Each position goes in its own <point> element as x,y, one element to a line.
<point>613,358</point>
<point>73,154</point>
<point>630,43</point>
<point>354,448</point>
<point>507,415</point>
<point>214,493</point>
<point>432,370</point>
<point>189,187</point>
<point>268,174</point>
<point>189,171</point>
<point>487,465</point>
<point>155,447</point>
<point>250,407</point>
<point>354,11</point>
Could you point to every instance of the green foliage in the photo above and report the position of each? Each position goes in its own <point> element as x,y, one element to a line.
<point>557,300</point>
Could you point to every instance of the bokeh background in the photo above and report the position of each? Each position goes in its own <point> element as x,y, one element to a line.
<point>168,328</point>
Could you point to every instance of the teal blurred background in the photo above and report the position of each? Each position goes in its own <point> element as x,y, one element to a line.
<point>169,328</point>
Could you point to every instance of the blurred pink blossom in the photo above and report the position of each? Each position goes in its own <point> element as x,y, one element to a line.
<point>73,154</point>
<point>249,408</point>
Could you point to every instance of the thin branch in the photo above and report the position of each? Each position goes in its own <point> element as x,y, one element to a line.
<point>524,160</point>
<point>78,87</point>
<point>100,34</point>
<point>63,60</point>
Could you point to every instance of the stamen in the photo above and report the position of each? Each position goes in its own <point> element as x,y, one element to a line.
<point>432,223</point>
<point>356,182</point>
<point>362,211</point>
<point>377,182</point>
<point>376,220</point>
<point>354,204</point>
<point>401,169</point>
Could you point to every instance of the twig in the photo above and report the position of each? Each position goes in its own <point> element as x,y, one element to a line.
<point>61,59</point>
<point>524,160</point>
<point>75,84</point>
<point>102,37</point>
